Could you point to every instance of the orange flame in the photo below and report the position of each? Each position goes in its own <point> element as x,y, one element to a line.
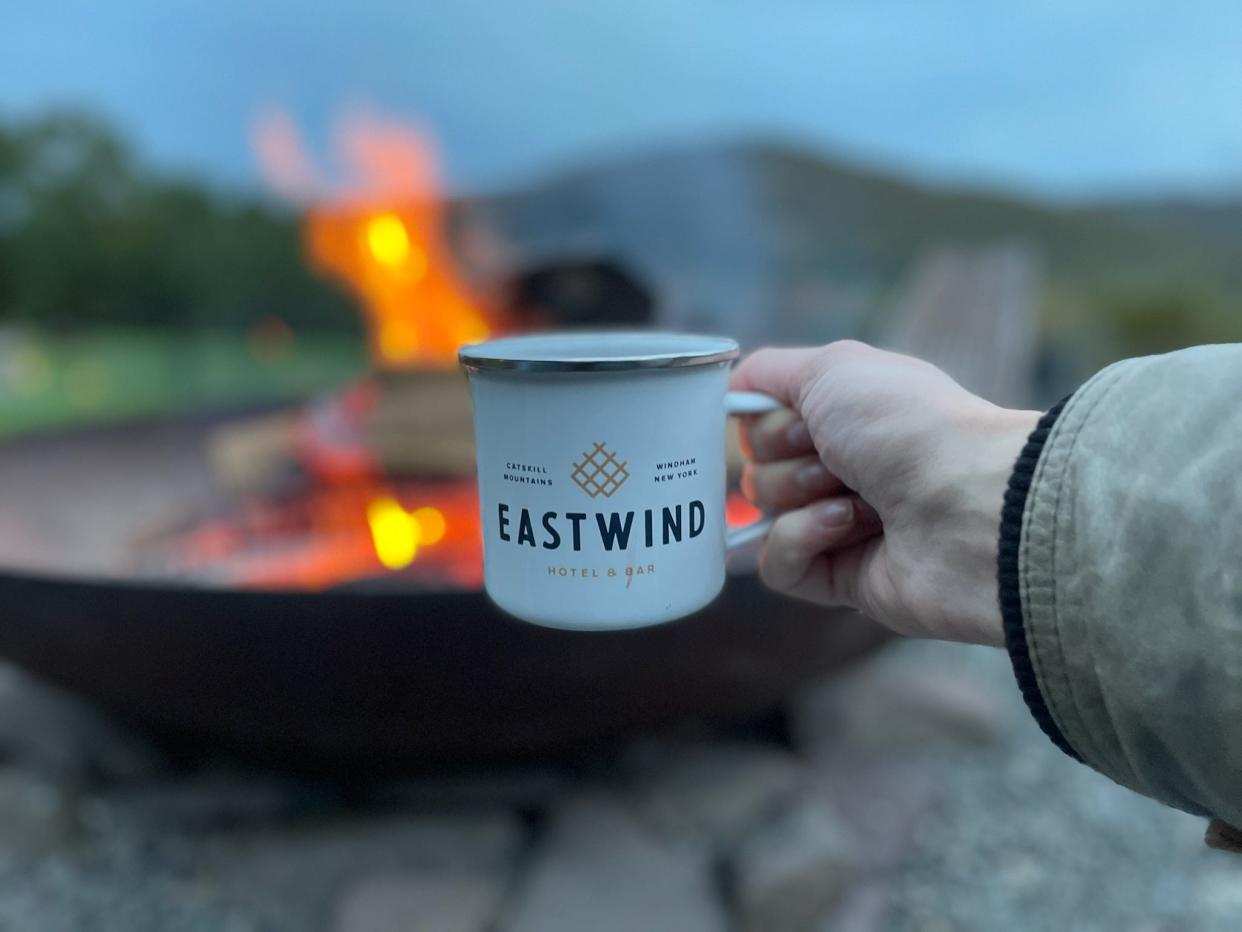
<point>381,232</point>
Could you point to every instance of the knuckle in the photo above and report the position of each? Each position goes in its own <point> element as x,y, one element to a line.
<point>766,574</point>
<point>826,363</point>
<point>841,351</point>
<point>775,567</point>
<point>772,560</point>
<point>789,538</point>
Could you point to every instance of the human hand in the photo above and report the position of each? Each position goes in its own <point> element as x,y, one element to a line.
<point>890,477</point>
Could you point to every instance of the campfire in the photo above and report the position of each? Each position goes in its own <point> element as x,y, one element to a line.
<point>374,483</point>
<point>302,584</point>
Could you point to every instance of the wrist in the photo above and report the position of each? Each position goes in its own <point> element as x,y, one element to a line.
<point>996,444</point>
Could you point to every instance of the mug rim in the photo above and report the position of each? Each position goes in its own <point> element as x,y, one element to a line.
<point>579,351</point>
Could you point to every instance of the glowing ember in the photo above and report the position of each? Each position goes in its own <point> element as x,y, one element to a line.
<point>394,532</point>
<point>397,534</point>
<point>430,523</point>
<point>337,534</point>
<point>381,233</point>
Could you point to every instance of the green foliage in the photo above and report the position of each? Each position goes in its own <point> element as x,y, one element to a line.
<point>86,239</point>
<point>1163,319</point>
<point>99,374</point>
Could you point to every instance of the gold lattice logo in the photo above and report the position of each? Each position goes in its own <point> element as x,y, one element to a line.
<point>599,473</point>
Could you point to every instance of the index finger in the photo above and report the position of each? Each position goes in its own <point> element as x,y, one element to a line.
<point>781,373</point>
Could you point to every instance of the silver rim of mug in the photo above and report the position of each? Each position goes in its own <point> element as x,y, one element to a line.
<point>490,355</point>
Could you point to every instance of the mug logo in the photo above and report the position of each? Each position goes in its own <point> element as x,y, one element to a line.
<point>599,473</point>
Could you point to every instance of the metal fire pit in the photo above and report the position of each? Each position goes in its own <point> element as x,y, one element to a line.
<point>358,676</point>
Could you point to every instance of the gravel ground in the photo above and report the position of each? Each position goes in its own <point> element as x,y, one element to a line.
<point>1022,837</point>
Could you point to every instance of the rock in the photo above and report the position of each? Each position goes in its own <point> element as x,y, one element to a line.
<point>598,870</point>
<point>881,798</point>
<point>864,907</point>
<point>60,734</point>
<point>199,802</point>
<point>712,791</point>
<point>420,902</point>
<point>900,706</point>
<point>292,877</point>
<point>36,815</point>
<point>791,870</point>
<point>529,787</point>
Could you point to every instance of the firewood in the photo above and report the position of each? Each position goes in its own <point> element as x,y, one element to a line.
<point>421,423</point>
<point>256,454</point>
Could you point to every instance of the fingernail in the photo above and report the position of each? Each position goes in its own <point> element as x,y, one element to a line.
<point>814,477</point>
<point>797,434</point>
<point>835,513</point>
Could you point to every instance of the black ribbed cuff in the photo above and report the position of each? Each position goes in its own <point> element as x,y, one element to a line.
<point>1008,577</point>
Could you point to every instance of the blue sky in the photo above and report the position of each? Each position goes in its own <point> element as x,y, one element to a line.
<point>1056,98</point>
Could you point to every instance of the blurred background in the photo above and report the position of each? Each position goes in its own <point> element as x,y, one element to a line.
<point>806,157</point>
<point>255,683</point>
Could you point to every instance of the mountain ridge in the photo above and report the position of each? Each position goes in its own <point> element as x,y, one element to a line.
<point>831,214</point>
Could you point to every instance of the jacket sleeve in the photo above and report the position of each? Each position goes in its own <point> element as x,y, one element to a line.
<point>1121,577</point>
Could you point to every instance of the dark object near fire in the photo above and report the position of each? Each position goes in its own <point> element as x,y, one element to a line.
<point>579,293</point>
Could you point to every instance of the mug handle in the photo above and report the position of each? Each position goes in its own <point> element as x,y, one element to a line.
<point>748,403</point>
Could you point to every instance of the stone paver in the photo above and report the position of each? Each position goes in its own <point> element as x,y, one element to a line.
<point>599,870</point>
<point>710,790</point>
<point>200,802</point>
<point>420,902</point>
<point>292,876</point>
<point>792,869</point>
<point>36,814</point>
<point>524,787</point>
<point>49,730</point>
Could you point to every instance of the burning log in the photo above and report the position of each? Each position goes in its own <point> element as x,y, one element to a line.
<point>420,424</point>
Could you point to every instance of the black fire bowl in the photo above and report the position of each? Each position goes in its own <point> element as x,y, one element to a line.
<point>368,679</point>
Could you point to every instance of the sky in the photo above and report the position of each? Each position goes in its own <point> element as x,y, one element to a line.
<point>1058,99</point>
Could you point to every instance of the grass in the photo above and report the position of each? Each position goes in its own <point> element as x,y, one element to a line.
<point>52,380</point>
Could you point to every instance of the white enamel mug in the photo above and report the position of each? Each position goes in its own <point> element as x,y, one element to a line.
<point>601,462</point>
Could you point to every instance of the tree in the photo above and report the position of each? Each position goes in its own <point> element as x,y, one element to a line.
<point>87,237</point>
